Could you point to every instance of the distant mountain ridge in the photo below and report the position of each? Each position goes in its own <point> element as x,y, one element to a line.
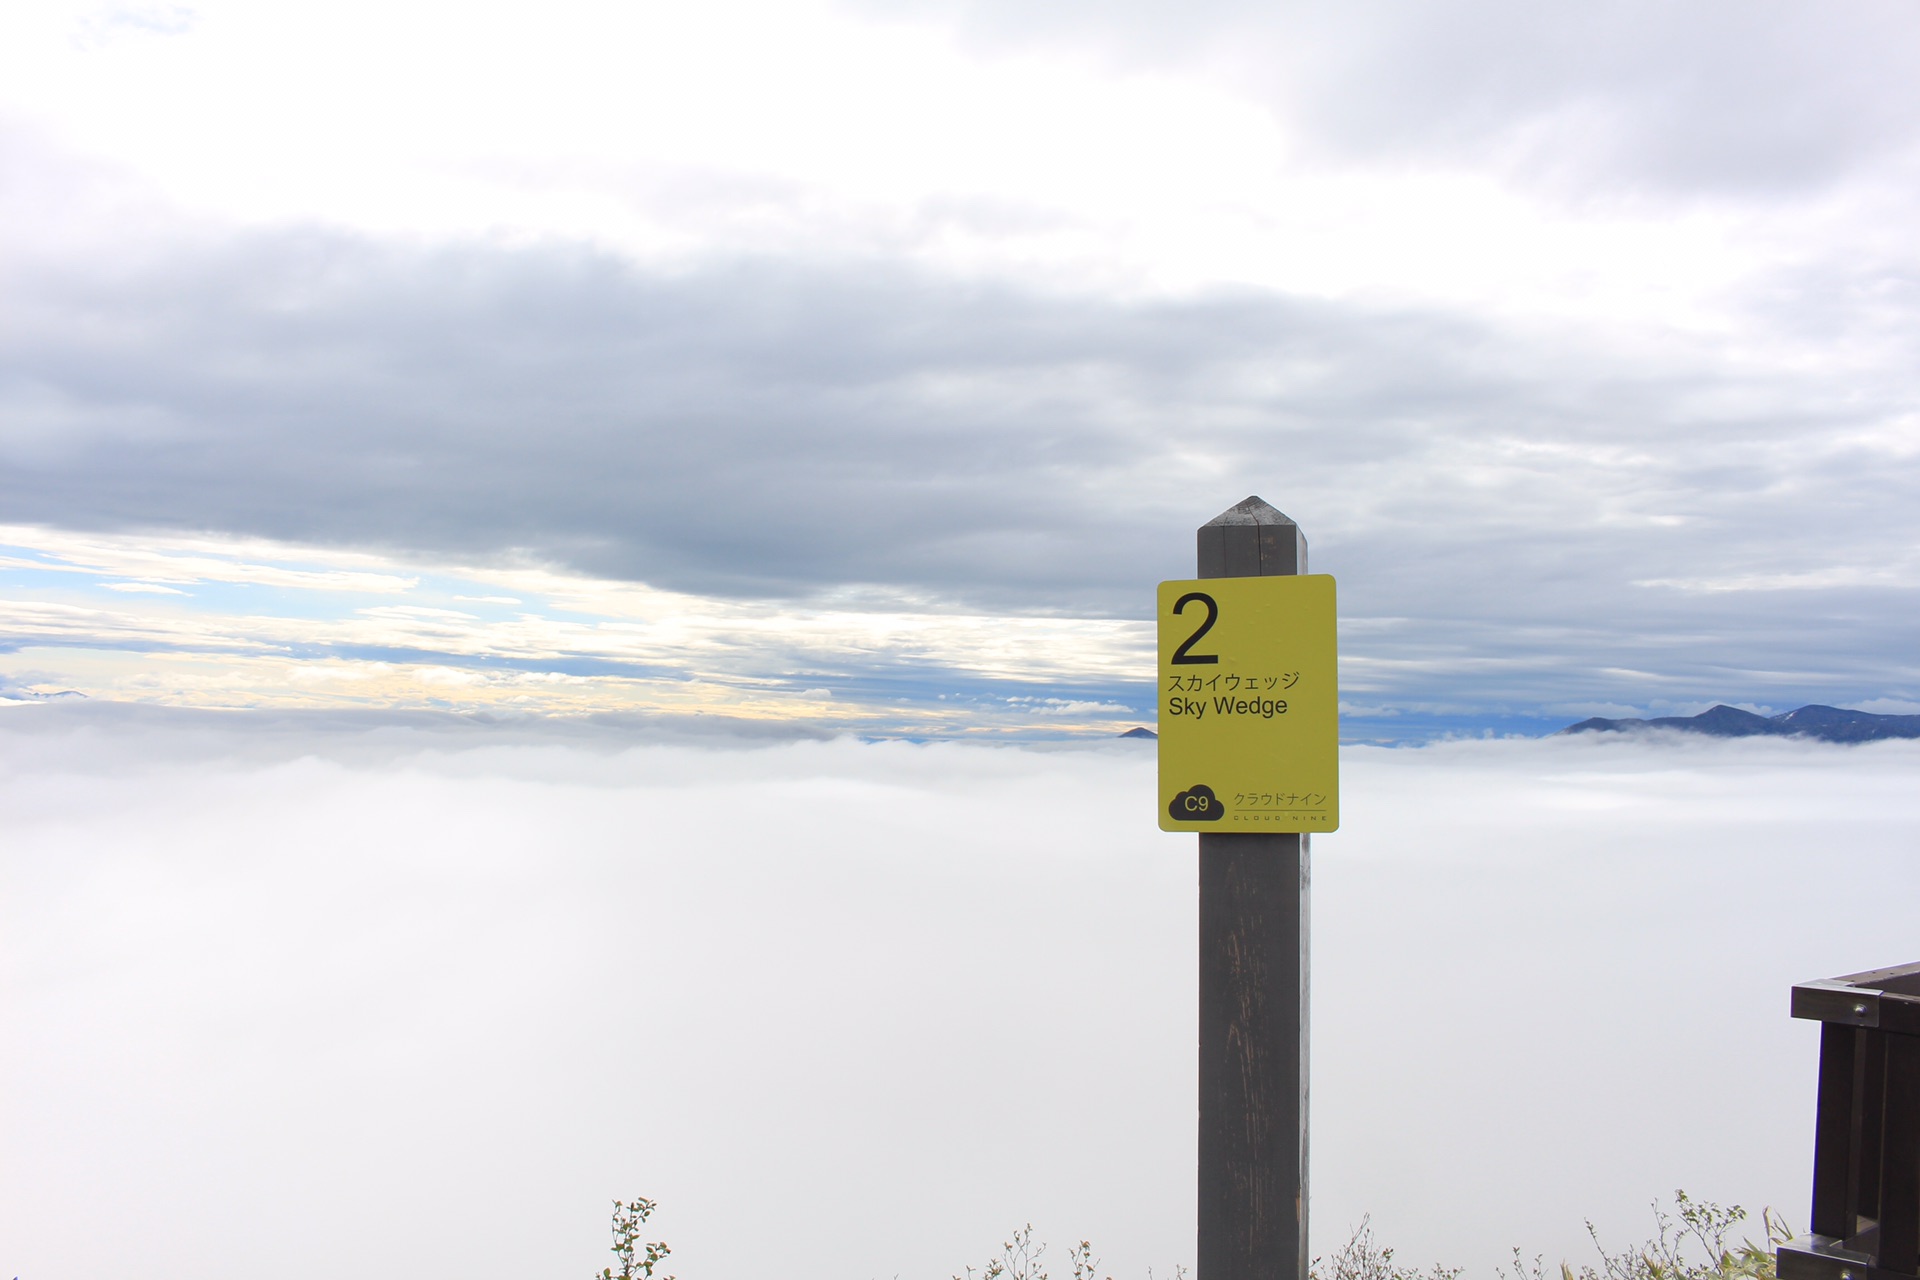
<point>28,695</point>
<point>1828,724</point>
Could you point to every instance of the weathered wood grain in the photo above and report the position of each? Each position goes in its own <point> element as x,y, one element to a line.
<point>1253,993</point>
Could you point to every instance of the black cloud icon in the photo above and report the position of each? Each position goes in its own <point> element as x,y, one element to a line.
<point>1196,804</point>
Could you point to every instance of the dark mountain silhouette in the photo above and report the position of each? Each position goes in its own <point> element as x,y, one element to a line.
<point>27,695</point>
<point>1829,724</point>
<point>1140,733</point>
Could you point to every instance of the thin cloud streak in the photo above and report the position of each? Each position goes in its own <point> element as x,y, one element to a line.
<point>258,630</point>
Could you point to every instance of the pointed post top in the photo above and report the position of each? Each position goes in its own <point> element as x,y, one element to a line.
<point>1251,539</point>
<point>1252,510</point>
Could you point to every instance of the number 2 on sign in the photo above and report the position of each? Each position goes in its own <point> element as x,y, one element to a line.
<point>1181,656</point>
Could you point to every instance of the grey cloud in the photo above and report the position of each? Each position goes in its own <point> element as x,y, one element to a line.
<point>753,428</point>
<point>780,429</point>
<point>1598,100</point>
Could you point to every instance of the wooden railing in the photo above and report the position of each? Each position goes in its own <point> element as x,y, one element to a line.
<point>1866,1145</point>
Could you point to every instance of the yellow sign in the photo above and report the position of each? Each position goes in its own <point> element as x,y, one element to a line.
<point>1249,705</point>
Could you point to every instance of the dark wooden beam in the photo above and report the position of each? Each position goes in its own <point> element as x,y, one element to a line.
<point>1253,993</point>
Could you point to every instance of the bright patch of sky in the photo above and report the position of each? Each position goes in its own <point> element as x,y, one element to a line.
<point>672,133</point>
<point>202,622</point>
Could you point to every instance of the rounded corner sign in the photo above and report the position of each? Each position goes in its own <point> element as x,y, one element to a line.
<point>1249,705</point>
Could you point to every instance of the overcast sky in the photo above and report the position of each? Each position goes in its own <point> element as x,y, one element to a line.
<point>891,352</point>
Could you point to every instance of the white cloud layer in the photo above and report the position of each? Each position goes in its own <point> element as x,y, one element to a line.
<point>397,1002</point>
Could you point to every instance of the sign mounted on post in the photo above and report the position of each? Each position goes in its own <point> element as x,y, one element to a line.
<point>1249,705</point>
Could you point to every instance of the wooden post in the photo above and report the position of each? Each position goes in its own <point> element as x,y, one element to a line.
<point>1834,1155</point>
<point>1253,993</point>
<point>1900,1158</point>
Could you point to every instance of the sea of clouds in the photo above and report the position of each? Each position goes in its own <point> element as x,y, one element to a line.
<point>306,999</point>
